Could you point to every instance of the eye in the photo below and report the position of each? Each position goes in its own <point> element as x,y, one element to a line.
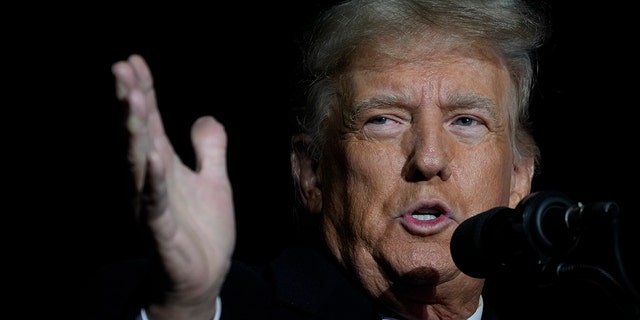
<point>465,121</point>
<point>378,120</point>
<point>468,128</point>
<point>383,127</point>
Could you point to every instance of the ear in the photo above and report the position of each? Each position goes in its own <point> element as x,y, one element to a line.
<point>521,179</point>
<point>305,171</point>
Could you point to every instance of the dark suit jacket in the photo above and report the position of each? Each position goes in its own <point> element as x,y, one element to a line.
<point>301,283</point>
<point>306,283</point>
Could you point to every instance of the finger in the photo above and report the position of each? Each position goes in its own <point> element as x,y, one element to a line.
<point>210,146</point>
<point>132,73</point>
<point>140,140</point>
<point>125,78</point>
<point>144,80</point>
<point>154,197</point>
<point>134,87</point>
<point>135,121</point>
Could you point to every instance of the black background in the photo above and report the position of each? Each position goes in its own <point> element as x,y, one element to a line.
<point>237,62</point>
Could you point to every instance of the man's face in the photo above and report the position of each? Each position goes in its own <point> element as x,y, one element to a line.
<point>424,145</point>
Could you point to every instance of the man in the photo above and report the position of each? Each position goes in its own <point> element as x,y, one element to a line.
<point>416,121</point>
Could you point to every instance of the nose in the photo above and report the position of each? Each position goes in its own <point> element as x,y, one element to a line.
<point>430,154</point>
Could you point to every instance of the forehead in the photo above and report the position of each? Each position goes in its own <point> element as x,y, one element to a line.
<point>429,47</point>
<point>434,65</point>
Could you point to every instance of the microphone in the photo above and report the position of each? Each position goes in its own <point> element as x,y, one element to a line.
<point>544,226</point>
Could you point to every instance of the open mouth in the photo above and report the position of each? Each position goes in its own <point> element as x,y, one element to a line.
<point>426,214</point>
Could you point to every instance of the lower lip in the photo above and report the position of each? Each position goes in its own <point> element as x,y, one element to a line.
<point>424,227</point>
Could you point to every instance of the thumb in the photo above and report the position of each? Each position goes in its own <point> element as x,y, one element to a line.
<point>210,145</point>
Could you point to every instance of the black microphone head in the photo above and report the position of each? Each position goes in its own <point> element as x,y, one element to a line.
<point>480,244</point>
<point>545,221</point>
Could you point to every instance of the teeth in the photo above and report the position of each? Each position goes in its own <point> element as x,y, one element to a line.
<point>424,217</point>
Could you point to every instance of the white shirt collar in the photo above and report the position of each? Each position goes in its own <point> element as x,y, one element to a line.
<point>475,316</point>
<point>478,314</point>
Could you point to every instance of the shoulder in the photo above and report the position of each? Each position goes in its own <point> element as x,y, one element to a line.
<point>300,283</point>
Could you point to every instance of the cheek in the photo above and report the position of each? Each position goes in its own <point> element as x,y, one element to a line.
<point>375,163</point>
<point>375,173</point>
<point>357,195</point>
<point>359,165</point>
<point>487,177</point>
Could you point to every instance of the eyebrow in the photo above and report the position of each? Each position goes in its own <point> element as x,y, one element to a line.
<point>472,101</point>
<point>361,106</point>
<point>452,101</point>
<point>375,102</point>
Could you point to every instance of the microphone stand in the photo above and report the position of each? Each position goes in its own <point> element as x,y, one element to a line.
<point>554,265</point>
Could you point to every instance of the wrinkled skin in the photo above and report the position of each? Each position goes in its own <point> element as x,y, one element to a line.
<point>423,131</point>
<point>427,133</point>
<point>190,212</point>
